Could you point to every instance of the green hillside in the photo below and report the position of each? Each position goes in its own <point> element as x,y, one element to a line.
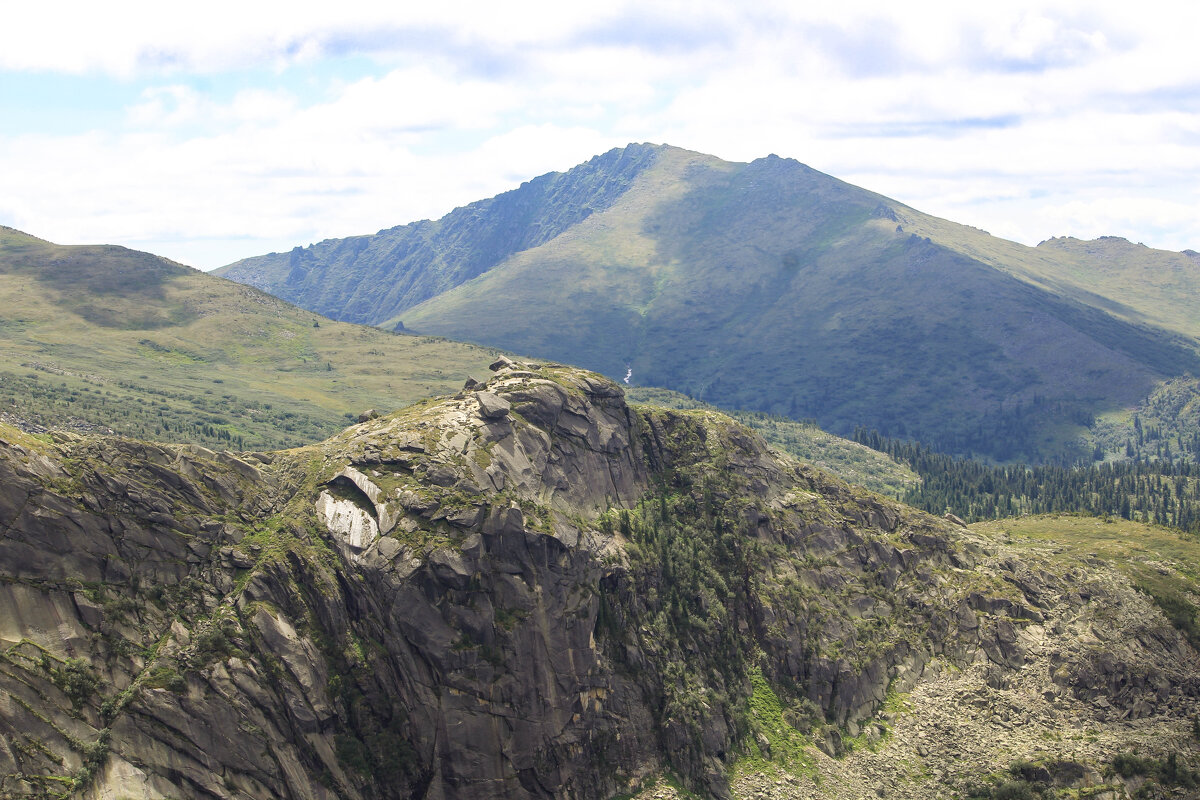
<point>105,338</point>
<point>850,461</point>
<point>1158,286</point>
<point>367,278</point>
<point>1132,281</point>
<point>772,287</point>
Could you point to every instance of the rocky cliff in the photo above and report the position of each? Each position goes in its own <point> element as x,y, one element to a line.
<point>529,589</point>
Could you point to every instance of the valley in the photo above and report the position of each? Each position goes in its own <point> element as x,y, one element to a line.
<point>251,549</point>
<point>768,286</point>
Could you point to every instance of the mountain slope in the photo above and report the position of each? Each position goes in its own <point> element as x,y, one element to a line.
<point>1131,281</point>
<point>105,338</point>
<point>109,339</point>
<point>367,278</point>
<point>772,287</point>
<point>852,462</point>
<point>534,590</point>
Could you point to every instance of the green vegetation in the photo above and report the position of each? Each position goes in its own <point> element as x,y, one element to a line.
<point>1161,492</point>
<point>1042,779</point>
<point>772,287</point>
<point>1169,772</point>
<point>76,678</point>
<point>1163,427</point>
<point>1175,605</point>
<point>689,557</point>
<point>1163,563</point>
<point>212,641</point>
<point>384,755</point>
<point>850,461</point>
<point>703,577</point>
<point>104,338</point>
<point>165,676</point>
<point>777,725</point>
<point>689,553</point>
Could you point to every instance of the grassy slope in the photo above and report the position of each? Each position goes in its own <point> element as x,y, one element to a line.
<point>1162,562</point>
<point>111,338</point>
<point>848,460</point>
<point>1132,281</point>
<point>607,267</point>
<point>369,278</point>
<point>773,287</point>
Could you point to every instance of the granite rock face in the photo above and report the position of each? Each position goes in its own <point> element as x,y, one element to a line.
<point>531,589</point>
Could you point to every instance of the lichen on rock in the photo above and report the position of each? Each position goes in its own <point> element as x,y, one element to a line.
<point>552,594</point>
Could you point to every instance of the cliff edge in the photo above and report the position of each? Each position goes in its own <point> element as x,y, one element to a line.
<point>528,589</point>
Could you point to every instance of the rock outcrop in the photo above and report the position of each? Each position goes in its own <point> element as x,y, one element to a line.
<point>531,589</point>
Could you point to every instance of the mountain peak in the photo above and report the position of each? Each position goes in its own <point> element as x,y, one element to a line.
<point>770,286</point>
<point>394,265</point>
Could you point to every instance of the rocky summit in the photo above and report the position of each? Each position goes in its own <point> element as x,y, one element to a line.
<point>534,589</point>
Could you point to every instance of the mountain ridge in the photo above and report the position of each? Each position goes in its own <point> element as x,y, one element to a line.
<point>772,287</point>
<point>459,246</point>
<point>531,589</point>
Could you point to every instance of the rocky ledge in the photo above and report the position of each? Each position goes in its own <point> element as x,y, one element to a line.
<point>530,589</point>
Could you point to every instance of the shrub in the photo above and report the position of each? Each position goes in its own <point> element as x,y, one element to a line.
<point>165,677</point>
<point>1130,765</point>
<point>76,679</point>
<point>1014,790</point>
<point>352,753</point>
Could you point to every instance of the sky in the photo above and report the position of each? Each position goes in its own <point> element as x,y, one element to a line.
<point>216,131</point>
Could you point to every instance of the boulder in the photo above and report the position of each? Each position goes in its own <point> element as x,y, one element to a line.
<point>492,406</point>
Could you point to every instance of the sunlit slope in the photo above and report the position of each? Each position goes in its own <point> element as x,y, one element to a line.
<point>1161,562</point>
<point>370,278</point>
<point>806,442</point>
<point>102,337</point>
<point>1131,281</point>
<point>771,286</point>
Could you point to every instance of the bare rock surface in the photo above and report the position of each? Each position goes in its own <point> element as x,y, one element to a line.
<point>548,594</point>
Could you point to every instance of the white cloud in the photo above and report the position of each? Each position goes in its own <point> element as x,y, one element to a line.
<point>166,106</point>
<point>1022,118</point>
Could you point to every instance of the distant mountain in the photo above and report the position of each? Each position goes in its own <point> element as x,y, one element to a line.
<point>770,286</point>
<point>105,339</point>
<point>1131,281</point>
<point>1140,283</point>
<point>367,279</point>
<point>101,338</point>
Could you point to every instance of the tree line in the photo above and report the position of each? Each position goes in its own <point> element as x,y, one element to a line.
<point>1160,492</point>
